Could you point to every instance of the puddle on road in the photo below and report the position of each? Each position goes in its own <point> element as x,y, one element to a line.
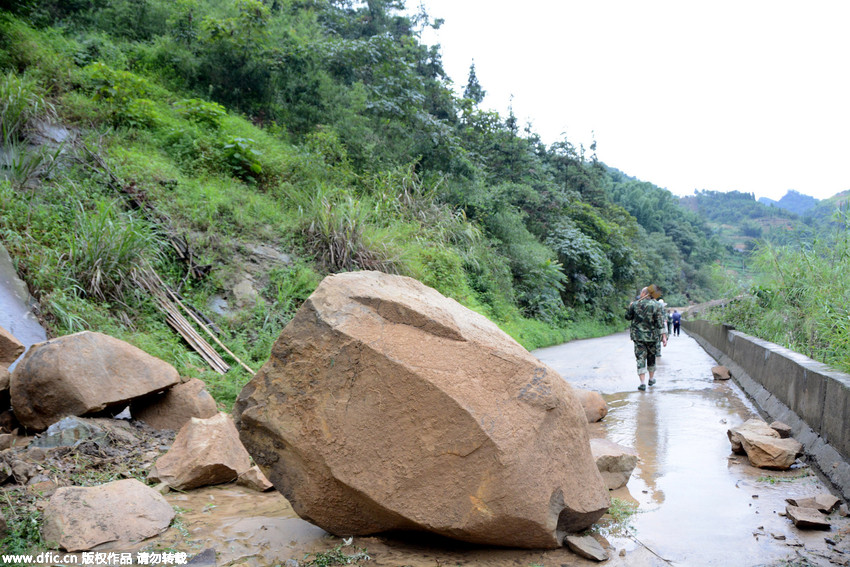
<point>698,503</point>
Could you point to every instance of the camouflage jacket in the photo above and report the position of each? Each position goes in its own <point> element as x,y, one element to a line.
<point>647,318</point>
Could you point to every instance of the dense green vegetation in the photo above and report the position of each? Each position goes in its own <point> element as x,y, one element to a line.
<point>319,129</point>
<point>800,298</point>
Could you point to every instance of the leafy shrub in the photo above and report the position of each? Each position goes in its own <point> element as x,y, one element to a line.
<point>201,112</point>
<point>441,267</point>
<point>142,113</point>
<point>243,158</point>
<point>122,92</point>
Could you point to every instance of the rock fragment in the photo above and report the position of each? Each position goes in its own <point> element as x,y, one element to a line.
<point>720,373</point>
<point>176,406</point>
<point>615,462</point>
<point>587,547</point>
<point>124,512</point>
<point>205,452</point>
<point>783,429</point>
<point>10,349</point>
<point>826,503</point>
<point>763,445</point>
<point>594,405</point>
<point>807,518</point>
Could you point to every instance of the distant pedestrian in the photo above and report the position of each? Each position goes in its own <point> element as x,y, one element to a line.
<point>647,327</point>
<point>677,321</point>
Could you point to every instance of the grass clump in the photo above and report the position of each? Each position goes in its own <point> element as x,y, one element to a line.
<point>336,556</point>
<point>617,521</point>
<point>23,523</point>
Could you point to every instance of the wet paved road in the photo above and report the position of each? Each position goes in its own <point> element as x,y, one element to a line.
<point>698,504</point>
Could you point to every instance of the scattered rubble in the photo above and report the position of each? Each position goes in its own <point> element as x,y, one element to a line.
<point>826,503</point>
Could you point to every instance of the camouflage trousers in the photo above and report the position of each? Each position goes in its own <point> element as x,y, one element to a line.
<point>646,353</point>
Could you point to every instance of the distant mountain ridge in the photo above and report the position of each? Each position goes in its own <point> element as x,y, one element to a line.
<point>793,201</point>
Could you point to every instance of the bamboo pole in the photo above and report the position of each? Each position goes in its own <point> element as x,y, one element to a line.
<point>200,323</point>
<point>182,326</point>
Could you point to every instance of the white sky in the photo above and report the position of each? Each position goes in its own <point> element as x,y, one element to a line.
<point>744,95</point>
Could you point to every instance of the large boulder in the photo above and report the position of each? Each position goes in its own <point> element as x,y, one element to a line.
<point>81,374</point>
<point>387,406</point>
<point>204,452</point>
<point>10,348</point>
<point>124,512</point>
<point>176,406</point>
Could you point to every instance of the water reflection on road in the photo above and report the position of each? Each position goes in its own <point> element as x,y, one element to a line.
<point>698,503</point>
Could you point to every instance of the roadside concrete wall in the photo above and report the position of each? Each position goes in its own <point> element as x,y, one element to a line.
<point>811,397</point>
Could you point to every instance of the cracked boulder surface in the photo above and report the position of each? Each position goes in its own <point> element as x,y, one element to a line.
<point>387,406</point>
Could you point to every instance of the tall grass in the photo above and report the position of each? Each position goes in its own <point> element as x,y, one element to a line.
<point>20,102</point>
<point>801,299</point>
<point>108,250</point>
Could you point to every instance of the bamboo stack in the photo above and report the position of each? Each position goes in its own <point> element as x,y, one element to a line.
<point>179,323</point>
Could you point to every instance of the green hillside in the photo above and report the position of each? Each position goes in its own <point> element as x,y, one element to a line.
<point>242,150</point>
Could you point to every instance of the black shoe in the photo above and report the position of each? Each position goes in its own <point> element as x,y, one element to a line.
<point>652,381</point>
<point>642,387</point>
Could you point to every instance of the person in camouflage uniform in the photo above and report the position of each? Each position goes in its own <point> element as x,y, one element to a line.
<point>647,326</point>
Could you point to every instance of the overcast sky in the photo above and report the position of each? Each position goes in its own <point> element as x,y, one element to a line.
<point>747,95</point>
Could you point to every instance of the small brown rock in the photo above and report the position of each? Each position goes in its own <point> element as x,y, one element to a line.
<point>594,405</point>
<point>205,452</point>
<point>807,518</point>
<point>783,429</point>
<point>751,426</point>
<point>22,471</point>
<point>125,512</point>
<point>615,462</point>
<point>587,547</point>
<point>7,441</point>
<point>176,406</point>
<point>10,348</point>
<point>720,373</point>
<point>254,479</point>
